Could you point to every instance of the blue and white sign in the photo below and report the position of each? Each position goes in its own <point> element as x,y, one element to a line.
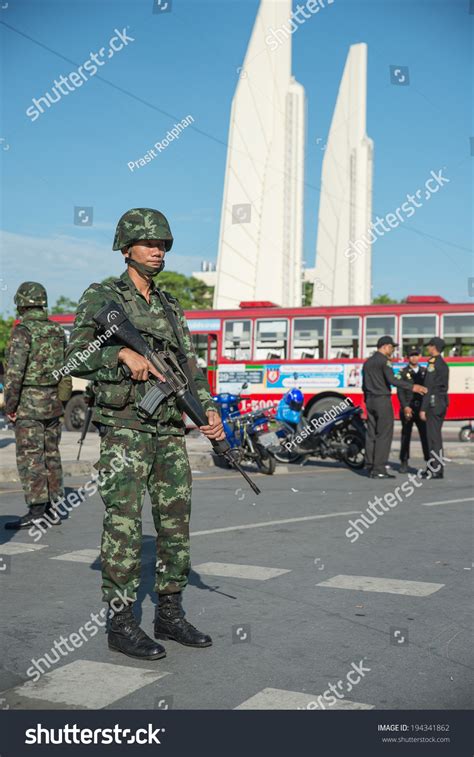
<point>204,324</point>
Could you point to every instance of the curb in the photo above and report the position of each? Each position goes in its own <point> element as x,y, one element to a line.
<point>197,460</point>
<point>73,468</point>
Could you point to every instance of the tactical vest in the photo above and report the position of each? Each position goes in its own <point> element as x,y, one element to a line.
<point>46,354</point>
<point>122,398</point>
<point>158,334</point>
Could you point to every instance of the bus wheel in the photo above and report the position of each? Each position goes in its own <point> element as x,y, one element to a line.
<point>323,404</point>
<point>75,413</point>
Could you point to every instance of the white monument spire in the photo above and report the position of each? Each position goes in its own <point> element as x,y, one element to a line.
<point>261,234</point>
<point>343,253</point>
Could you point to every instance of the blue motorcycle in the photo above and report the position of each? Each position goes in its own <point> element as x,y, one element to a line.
<point>243,432</point>
<point>337,434</point>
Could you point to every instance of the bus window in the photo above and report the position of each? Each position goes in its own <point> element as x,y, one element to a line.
<point>458,333</point>
<point>200,346</point>
<point>272,340</point>
<point>375,327</point>
<point>308,338</point>
<point>237,340</point>
<point>344,338</point>
<point>417,330</point>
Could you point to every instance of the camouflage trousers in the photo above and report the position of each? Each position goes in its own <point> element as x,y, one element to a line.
<point>160,465</point>
<point>38,459</point>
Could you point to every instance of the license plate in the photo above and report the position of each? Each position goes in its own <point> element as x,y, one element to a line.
<point>269,440</point>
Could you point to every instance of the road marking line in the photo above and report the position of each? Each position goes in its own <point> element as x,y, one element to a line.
<point>19,547</point>
<point>388,585</point>
<point>86,684</point>
<point>447,502</point>
<point>274,523</point>
<point>236,570</point>
<point>81,555</point>
<point>281,699</point>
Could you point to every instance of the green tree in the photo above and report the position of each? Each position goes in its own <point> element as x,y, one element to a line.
<point>5,331</point>
<point>64,305</point>
<point>308,293</point>
<point>384,299</point>
<point>191,293</point>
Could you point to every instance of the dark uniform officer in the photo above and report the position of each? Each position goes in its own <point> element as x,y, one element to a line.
<point>154,446</point>
<point>377,378</point>
<point>435,403</point>
<point>410,406</point>
<point>34,359</point>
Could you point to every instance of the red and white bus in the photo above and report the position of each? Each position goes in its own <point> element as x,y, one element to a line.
<point>319,350</point>
<point>322,350</point>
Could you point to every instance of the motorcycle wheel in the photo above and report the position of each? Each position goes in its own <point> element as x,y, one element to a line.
<point>465,434</point>
<point>354,456</point>
<point>280,453</point>
<point>265,462</point>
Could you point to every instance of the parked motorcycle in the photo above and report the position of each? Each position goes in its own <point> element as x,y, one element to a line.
<point>292,438</point>
<point>243,432</point>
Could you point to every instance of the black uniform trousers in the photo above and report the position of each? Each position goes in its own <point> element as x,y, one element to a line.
<point>434,423</point>
<point>407,428</point>
<point>379,432</point>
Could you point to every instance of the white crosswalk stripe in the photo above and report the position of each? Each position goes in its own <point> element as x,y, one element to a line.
<point>447,502</point>
<point>80,555</point>
<point>84,684</point>
<point>279,522</point>
<point>19,547</point>
<point>383,585</point>
<point>236,570</point>
<point>281,699</point>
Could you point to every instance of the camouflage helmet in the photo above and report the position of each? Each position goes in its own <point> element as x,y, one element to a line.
<point>31,294</point>
<point>140,224</point>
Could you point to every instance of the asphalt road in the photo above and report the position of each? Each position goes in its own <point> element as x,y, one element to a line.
<point>278,585</point>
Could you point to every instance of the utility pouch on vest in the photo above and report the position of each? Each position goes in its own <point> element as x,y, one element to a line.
<point>114,395</point>
<point>65,388</point>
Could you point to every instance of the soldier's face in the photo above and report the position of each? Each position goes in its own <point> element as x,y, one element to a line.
<point>149,252</point>
<point>413,359</point>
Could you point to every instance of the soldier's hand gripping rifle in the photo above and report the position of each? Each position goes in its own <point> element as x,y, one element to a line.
<point>175,384</point>
<point>87,418</point>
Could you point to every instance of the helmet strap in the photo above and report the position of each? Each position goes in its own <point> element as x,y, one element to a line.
<point>144,270</point>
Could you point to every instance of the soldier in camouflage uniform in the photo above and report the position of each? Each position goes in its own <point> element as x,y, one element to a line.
<point>154,446</point>
<point>35,356</point>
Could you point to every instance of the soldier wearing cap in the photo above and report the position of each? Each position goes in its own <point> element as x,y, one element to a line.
<point>410,406</point>
<point>155,447</point>
<point>435,402</point>
<point>377,379</point>
<point>33,403</point>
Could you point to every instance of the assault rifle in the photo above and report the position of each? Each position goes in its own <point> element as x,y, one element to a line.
<point>175,384</point>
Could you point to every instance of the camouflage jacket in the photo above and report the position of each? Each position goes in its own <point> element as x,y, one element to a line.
<point>117,396</point>
<point>35,355</point>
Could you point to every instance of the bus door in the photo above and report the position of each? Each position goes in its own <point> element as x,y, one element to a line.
<point>212,361</point>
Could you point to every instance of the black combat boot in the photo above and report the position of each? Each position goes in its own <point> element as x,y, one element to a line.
<point>34,513</point>
<point>53,516</point>
<point>170,623</point>
<point>126,636</point>
<point>403,466</point>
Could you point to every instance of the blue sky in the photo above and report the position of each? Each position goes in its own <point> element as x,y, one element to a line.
<point>185,62</point>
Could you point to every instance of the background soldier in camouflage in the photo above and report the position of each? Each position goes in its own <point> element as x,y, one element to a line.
<point>155,447</point>
<point>35,352</point>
